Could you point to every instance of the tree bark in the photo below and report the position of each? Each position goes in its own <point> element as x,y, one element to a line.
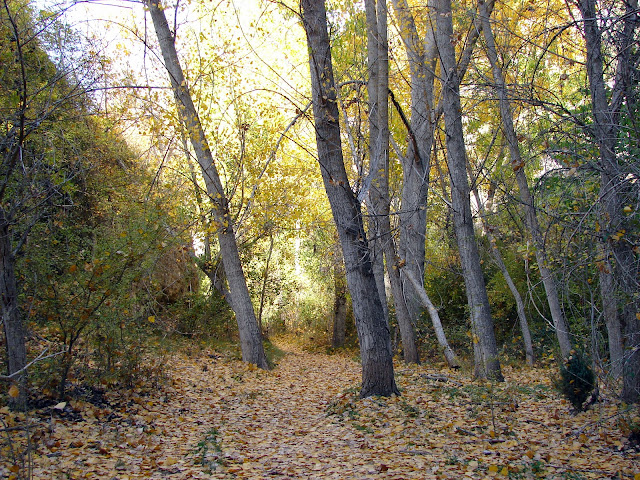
<point>250,336</point>
<point>14,331</point>
<point>373,331</point>
<point>478,300</point>
<point>378,87</point>
<point>617,252</point>
<point>517,164</point>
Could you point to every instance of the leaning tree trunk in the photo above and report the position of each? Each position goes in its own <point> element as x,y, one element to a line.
<point>14,332</point>
<point>517,164</point>
<point>250,336</point>
<point>497,257</point>
<point>461,205</point>
<point>449,354</point>
<point>373,331</point>
<point>617,252</point>
<point>378,87</point>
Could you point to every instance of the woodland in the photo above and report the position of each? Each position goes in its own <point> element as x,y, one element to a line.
<point>320,239</point>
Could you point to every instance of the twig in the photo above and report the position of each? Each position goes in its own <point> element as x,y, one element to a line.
<point>22,427</point>
<point>35,360</point>
<point>581,430</point>
<point>590,470</point>
<point>416,452</point>
<point>440,378</point>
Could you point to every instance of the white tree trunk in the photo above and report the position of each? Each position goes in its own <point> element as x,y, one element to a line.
<point>497,257</point>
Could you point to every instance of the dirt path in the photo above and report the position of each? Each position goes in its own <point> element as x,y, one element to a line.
<point>223,419</point>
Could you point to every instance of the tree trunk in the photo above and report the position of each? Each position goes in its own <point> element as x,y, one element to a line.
<point>373,331</point>
<point>449,354</point>
<point>497,257</point>
<point>422,56</point>
<point>265,280</point>
<point>618,253</point>
<point>377,261</point>
<point>14,331</point>
<point>378,87</point>
<point>415,164</point>
<point>478,300</point>
<point>340,301</point>
<point>250,336</point>
<point>610,311</point>
<point>517,163</point>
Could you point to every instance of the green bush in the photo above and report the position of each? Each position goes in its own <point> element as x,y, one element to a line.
<point>577,379</point>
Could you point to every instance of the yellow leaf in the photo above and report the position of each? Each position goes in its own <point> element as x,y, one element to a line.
<point>151,319</point>
<point>636,476</point>
<point>504,471</point>
<point>14,391</point>
<point>493,468</point>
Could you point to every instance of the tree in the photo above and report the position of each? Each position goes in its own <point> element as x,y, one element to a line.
<point>378,87</point>
<point>517,164</point>
<point>338,336</point>
<point>619,270</point>
<point>35,97</point>
<point>250,335</point>
<point>478,301</point>
<point>373,331</point>
<point>497,257</point>
<point>422,56</point>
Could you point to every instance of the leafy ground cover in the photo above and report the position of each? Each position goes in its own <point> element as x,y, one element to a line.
<point>219,418</point>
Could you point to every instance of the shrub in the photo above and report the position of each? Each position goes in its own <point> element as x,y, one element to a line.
<point>577,380</point>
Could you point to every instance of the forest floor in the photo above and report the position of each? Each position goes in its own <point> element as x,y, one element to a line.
<point>217,418</point>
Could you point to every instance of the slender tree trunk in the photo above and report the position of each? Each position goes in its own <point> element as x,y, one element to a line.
<point>422,56</point>
<point>373,331</point>
<point>14,331</point>
<point>250,336</point>
<point>463,222</point>
<point>517,163</point>
<point>340,301</point>
<point>377,260</point>
<point>617,252</point>
<point>497,257</point>
<point>265,280</point>
<point>378,87</point>
<point>449,354</point>
<point>610,310</point>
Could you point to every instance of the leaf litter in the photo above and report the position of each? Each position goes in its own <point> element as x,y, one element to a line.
<point>222,419</point>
